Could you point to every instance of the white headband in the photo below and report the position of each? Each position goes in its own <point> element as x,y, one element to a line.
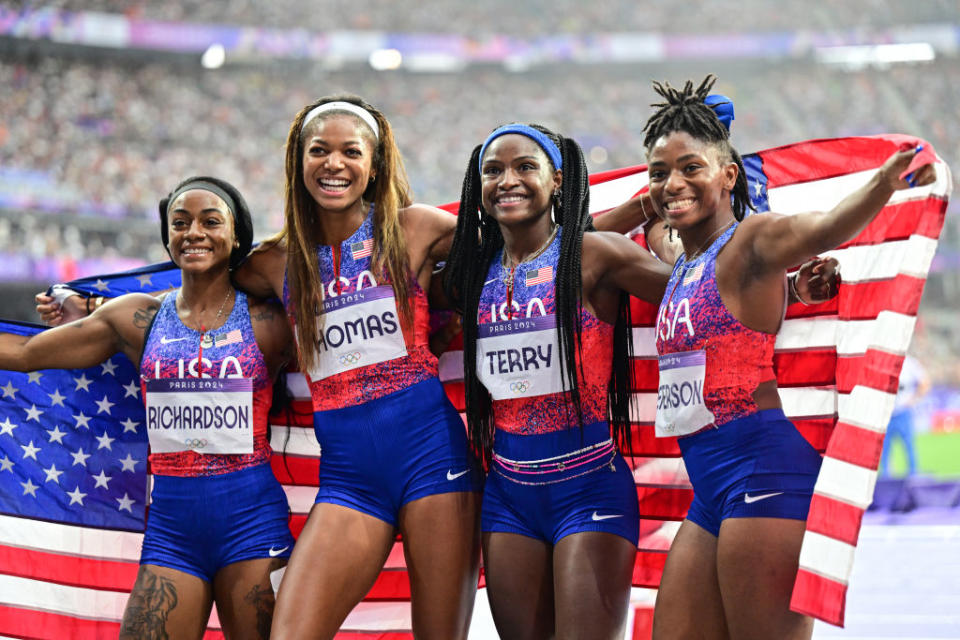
<point>360,112</point>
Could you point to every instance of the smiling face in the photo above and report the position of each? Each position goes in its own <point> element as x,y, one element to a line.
<point>689,180</point>
<point>517,180</point>
<point>200,231</point>
<point>338,154</point>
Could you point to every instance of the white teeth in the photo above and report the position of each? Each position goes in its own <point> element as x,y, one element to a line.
<point>679,204</point>
<point>334,184</point>
<point>508,199</point>
<point>196,251</point>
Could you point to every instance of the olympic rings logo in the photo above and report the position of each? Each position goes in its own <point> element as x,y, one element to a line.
<point>195,443</point>
<point>521,386</point>
<point>349,358</point>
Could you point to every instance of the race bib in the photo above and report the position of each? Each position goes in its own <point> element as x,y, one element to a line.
<point>359,329</point>
<point>205,415</point>
<point>680,406</point>
<point>519,358</point>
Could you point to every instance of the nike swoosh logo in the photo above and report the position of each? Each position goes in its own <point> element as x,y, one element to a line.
<point>751,499</point>
<point>454,476</point>
<point>275,552</point>
<point>596,517</point>
<point>489,281</point>
<point>166,340</point>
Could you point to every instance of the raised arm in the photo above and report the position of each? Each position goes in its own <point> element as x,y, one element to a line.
<point>613,262</point>
<point>778,242</point>
<point>261,275</point>
<point>118,326</point>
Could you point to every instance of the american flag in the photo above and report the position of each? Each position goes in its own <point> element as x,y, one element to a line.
<point>837,366</point>
<point>539,276</point>
<point>224,339</point>
<point>361,249</point>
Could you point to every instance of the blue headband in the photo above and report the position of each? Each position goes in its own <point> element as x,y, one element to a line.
<point>722,106</point>
<point>537,136</point>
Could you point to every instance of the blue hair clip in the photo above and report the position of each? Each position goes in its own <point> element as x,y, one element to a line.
<point>722,106</point>
<point>912,176</point>
<point>537,136</point>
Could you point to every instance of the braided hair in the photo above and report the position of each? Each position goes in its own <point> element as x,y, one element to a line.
<point>466,270</point>
<point>685,110</point>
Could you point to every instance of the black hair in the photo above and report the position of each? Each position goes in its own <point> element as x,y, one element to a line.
<point>685,110</point>
<point>242,222</point>
<point>466,271</point>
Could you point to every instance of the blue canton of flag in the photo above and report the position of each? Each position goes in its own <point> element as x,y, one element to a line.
<point>153,277</point>
<point>73,444</point>
<point>756,181</point>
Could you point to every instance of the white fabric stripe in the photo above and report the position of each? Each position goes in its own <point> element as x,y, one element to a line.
<point>302,441</point>
<point>643,407</point>
<point>846,482</point>
<point>884,261</point>
<point>644,342</point>
<point>823,195</point>
<point>660,471</point>
<point>612,193</point>
<point>378,616</point>
<point>808,401</point>
<point>71,540</point>
<point>297,385</point>
<point>890,331</point>
<point>826,556</point>
<point>86,603</point>
<point>300,498</point>
<point>451,366</point>
<point>866,407</point>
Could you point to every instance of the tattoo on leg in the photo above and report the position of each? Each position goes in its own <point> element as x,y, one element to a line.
<point>150,604</point>
<point>261,598</point>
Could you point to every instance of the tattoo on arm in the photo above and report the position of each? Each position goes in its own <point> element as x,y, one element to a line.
<point>151,601</point>
<point>143,316</point>
<point>265,315</point>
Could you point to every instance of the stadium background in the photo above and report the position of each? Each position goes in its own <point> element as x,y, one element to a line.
<point>104,105</point>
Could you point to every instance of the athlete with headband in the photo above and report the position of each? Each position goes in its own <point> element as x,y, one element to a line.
<point>217,526</point>
<point>735,557</point>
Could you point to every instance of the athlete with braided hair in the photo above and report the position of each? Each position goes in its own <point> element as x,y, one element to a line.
<point>732,564</point>
<point>546,367</point>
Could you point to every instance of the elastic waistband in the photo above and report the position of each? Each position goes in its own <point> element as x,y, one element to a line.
<point>212,481</point>
<point>553,457</point>
<point>417,400</point>
<point>764,416</point>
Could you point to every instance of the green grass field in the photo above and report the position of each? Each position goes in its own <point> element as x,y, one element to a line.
<point>938,455</point>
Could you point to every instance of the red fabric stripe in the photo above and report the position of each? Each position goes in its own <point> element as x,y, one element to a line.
<point>68,570</point>
<point>456,394</point>
<point>899,221</point>
<point>817,596</point>
<point>297,470</point>
<point>647,444</point>
<point>646,374</point>
<point>817,431</point>
<point>876,369</point>
<point>834,519</point>
<point>32,624</point>
<point>864,300</point>
<point>648,568</point>
<point>664,503</point>
<point>613,174</point>
<point>809,368</point>
<point>642,623</point>
<point>856,445</point>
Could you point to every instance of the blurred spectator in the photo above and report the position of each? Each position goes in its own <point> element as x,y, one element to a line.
<point>914,384</point>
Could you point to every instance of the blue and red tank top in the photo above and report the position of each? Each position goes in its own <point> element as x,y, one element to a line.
<point>366,350</point>
<point>518,358</point>
<point>696,332</point>
<point>223,357</point>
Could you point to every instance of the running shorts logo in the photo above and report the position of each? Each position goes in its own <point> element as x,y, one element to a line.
<point>349,358</point>
<point>195,443</point>
<point>520,386</point>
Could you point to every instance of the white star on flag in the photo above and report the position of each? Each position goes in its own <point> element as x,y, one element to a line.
<point>29,487</point>
<point>30,451</point>
<point>33,413</point>
<point>56,398</point>
<point>9,390</point>
<point>101,286</point>
<point>109,367</point>
<point>131,389</point>
<point>7,464</point>
<point>103,406</point>
<point>129,464</point>
<point>52,474</point>
<point>56,435</point>
<point>144,280</point>
<point>102,479</point>
<point>76,496</point>
<point>105,441</point>
<point>83,422</point>
<point>83,382</point>
<point>125,503</point>
<point>129,425</point>
<point>80,457</point>
<point>34,376</point>
<point>7,427</point>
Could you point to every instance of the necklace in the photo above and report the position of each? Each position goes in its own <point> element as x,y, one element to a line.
<point>508,276</point>
<point>706,243</point>
<point>206,340</point>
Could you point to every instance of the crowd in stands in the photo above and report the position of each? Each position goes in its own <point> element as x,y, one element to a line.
<point>533,18</point>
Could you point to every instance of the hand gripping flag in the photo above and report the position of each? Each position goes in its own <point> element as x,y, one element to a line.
<point>837,366</point>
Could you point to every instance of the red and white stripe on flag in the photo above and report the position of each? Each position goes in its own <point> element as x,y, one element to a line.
<point>538,276</point>
<point>361,249</point>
